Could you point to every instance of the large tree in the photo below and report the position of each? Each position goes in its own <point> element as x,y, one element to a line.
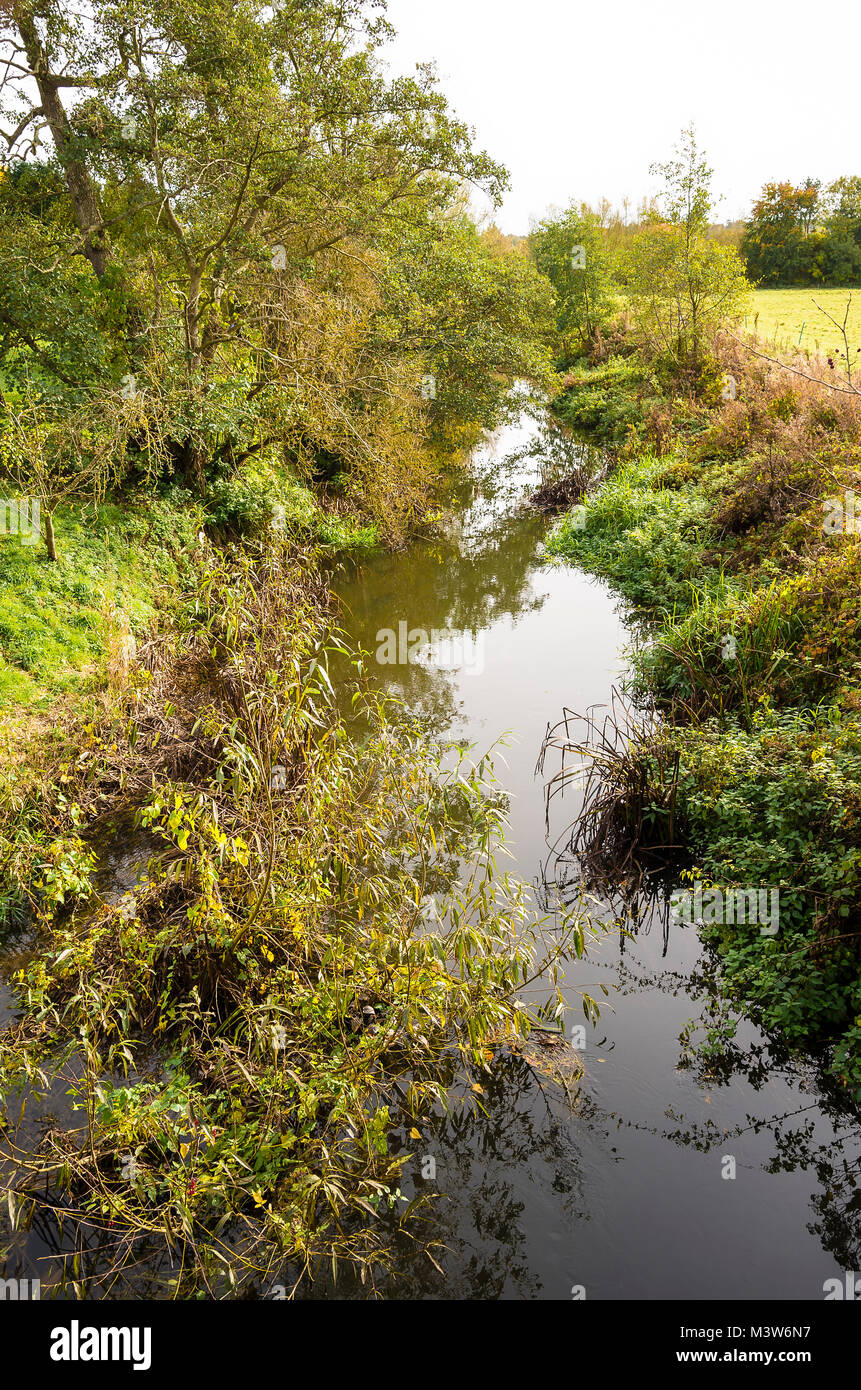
<point>238,181</point>
<point>573,250</point>
<point>783,242</point>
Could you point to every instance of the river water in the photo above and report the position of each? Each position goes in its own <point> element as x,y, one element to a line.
<point>613,1186</point>
<point>621,1188</point>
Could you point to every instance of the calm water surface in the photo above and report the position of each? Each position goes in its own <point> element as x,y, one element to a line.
<point>616,1185</point>
<point>619,1187</point>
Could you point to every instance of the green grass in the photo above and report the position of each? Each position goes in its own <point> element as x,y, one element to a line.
<point>645,540</point>
<point>56,619</point>
<point>245,504</point>
<point>751,644</point>
<point>780,316</point>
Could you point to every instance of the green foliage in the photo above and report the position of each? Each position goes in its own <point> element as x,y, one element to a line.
<point>751,648</point>
<point>280,252</point>
<point>277,984</point>
<point>478,315</point>
<point>649,542</point>
<point>56,621</point>
<point>685,199</point>
<point>682,287</point>
<point>798,236</point>
<point>606,403</point>
<point>778,803</point>
<point>571,250</point>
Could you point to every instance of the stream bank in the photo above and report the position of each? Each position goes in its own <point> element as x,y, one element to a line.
<point>618,1189</point>
<point>610,1186</point>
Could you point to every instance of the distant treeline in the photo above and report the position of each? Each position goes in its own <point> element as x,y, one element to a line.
<point>806,235</point>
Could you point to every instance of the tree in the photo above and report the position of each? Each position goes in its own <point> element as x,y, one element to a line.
<point>58,327</point>
<point>783,241</point>
<point>232,173</point>
<point>572,250</point>
<point>843,208</point>
<point>686,199</point>
<point>55,457</point>
<point>842,204</point>
<point>681,284</point>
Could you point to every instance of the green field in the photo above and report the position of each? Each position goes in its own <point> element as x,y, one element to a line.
<point>783,313</point>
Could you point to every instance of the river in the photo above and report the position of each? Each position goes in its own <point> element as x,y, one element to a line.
<point>622,1189</point>
<point>613,1186</point>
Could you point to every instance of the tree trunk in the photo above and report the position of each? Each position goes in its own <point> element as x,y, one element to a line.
<point>81,189</point>
<point>199,457</point>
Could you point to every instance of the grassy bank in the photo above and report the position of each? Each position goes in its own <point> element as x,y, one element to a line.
<point>65,627</point>
<point>712,526</point>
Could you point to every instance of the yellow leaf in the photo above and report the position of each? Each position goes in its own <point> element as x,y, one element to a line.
<point>183,1150</point>
<point>414,1133</point>
<point>476,1087</point>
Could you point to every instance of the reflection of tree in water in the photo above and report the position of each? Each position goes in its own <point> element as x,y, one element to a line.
<point>478,575</point>
<point>721,1046</point>
<point>838,1204</point>
<point>86,1258</point>
<point>441,584</point>
<point>490,1150</point>
<point>519,1134</point>
<point>465,581</point>
<point>833,1158</point>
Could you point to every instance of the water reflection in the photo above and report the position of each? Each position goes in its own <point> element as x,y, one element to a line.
<point>614,1183</point>
<point>620,1190</point>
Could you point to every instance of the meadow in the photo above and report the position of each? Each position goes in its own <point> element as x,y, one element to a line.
<point>789,317</point>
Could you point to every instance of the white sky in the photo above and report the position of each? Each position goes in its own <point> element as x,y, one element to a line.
<point>578,100</point>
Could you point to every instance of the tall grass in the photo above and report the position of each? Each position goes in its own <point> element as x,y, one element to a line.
<point>725,651</point>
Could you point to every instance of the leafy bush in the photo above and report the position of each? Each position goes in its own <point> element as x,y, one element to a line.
<point>751,618</point>
<point>779,804</point>
<point>285,999</point>
<point>650,543</point>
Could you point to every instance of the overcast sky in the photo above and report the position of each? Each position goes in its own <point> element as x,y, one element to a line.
<point>578,100</point>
